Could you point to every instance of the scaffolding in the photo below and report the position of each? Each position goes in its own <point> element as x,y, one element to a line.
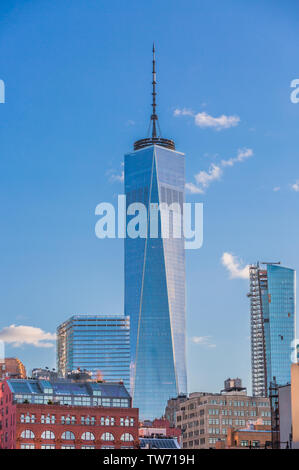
<point>258,353</point>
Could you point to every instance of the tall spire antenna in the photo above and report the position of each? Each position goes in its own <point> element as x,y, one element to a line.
<point>154,116</point>
<point>154,139</point>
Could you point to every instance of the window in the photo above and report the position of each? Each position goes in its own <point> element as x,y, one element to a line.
<point>88,420</point>
<point>27,434</point>
<point>47,446</point>
<point>47,419</point>
<point>107,436</point>
<point>244,443</point>
<point>67,447</point>
<point>106,421</point>
<point>68,435</point>
<point>127,421</point>
<point>27,418</point>
<point>213,430</point>
<point>212,440</point>
<point>68,419</point>
<point>88,436</point>
<point>27,446</point>
<point>214,421</point>
<point>48,435</point>
<point>127,437</point>
<point>88,447</point>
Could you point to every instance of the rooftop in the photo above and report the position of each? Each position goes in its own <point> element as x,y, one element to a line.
<point>160,443</point>
<point>67,387</point>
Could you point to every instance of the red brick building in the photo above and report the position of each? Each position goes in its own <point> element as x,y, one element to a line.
<point>75,427</point>
<point>255,436</point>
<point>160,427</point>
<point>7,418</point>
<point>54,424</point>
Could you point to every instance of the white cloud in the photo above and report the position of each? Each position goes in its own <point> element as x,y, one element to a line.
<point>193,189</point>
<point>242,155</point>
<point>203,341</point>
<point>233,265</point>
<point>204,120</point>
<point>183,112</point>
<point>276,188</point>
<point>203,179</point>
<point>19,335</point>
<point>118,177</point>
<point>295,186</point>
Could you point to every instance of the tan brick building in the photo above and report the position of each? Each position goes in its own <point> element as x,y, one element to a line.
<point>205,418</point>
<point>12,367</point>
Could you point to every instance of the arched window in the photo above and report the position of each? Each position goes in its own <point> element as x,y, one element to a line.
<point>27,434</point>
<point>107,436</point>
<point>88,436</point>
<point>127,437</point>
<point>48,435</point>
<point>68,436</point>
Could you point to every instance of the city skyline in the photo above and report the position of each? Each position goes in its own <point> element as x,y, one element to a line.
<point>225,96</point>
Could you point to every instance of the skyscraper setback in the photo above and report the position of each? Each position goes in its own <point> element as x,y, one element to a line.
<point>273,302</point>
<point>155,274</point>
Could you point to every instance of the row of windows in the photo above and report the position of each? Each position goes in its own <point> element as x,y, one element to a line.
<point>239,403</point>
<point>89,420</point>
<point>52,446</point>
<point>69,435</point>
<point>221,402</point>
<point>215,411</point>
<point>253,443</point>
<point>75,401</point>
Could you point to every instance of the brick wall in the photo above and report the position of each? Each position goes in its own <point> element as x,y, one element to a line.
<point>117,422</point>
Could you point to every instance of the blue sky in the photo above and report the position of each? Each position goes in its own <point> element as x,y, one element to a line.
<point>77,77</point>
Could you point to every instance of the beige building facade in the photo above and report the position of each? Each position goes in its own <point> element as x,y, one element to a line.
<point>205,418</point>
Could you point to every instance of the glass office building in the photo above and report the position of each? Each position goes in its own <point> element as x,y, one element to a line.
<point>273,325</point>
<point>97,343</point>
<point>155,282</point>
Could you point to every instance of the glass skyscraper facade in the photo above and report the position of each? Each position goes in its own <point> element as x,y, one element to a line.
<point>97,343</point>
<point>155,280</point>
<point>273,325</point>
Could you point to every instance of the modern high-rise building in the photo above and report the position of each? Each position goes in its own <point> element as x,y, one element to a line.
<point>155,273</point>
<point>273,310</point>
<point>96,343</point>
